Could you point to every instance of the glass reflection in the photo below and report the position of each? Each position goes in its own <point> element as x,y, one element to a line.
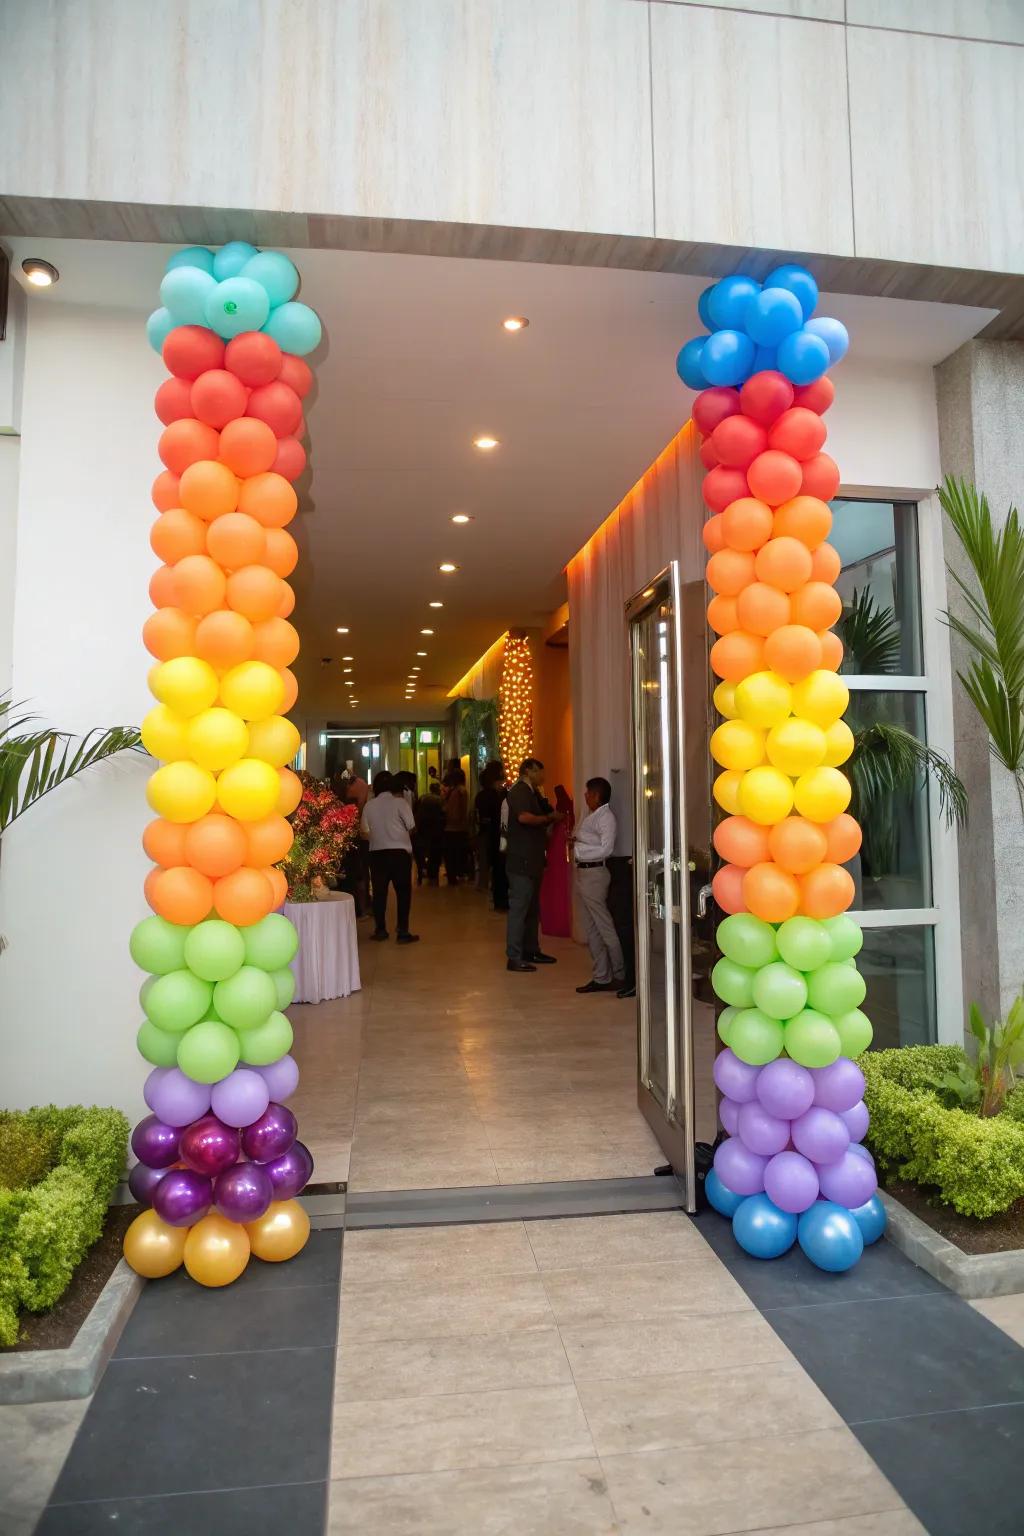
<point>879,585</point>
<point>893,868</point>
<point>898,965</point>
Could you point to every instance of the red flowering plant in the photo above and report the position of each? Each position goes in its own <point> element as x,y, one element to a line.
<point>324,832</point>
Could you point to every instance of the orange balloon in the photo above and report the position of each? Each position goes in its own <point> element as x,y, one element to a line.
<point>215,845</point>
<point>774,476</point>
<point>784,563</point>
<point>277,642</point>
<point>747,523</point>
<point>181,895</point>
<point>797,845</point>
<point>243,897</point>
<point>286,607</point>
<point>235,540</point>
<point>175,534</point>
<point>185,442</point>
<point>727,888</point>
<point>255,592</point>
<point>270,499</point>
<point>817,605</point>
<point>267,841</point>
<point>161,587</point>
<point>741,841</point>
<point>224,639</point>
<point>712,534</point>
<point>247,446</point>
<point>290,793</point>
<point>165,491</point>
<point>843,838</point>
<point>282,552</point>
<point>722,615</point>
<point>209,489</point>
<point>736,655</point>
<point>831,651</point>
<point>761,609</point>
<point>291,690</point>
<point>169,633</point>
<point>164,842</point>
<point>198,584</point>
<point>793,651</point>
<point>730,571</point>
<point>826,564</point>
<point>771,893</point>
<point>804,518</point>
<point>826,891</point>
<point>279,885</point>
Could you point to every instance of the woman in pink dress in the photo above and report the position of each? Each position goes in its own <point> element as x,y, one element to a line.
<point>556,885</point>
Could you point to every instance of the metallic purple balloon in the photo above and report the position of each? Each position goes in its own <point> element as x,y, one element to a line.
<point>290,1173</point>
<point>821,1136</point>
<point>728,1113</point>
<point>856,1120</point>
<point>241,1097</point>
<point>281,1077</point>
<point>182,1197</point>
<point>761,1132</point>
<point>243,1193</point>
<point>739,1169</point>
<point>155,1143</point>
<point>271,1135</point>
<point>142,1181</point>
<point>736,1079</point>
<point>785,1089</point>
<point>851,1181</point>
<point>209,1146</point>
<point>175,1098</point>
<point>838,1087</point>
<point>791,1182</point>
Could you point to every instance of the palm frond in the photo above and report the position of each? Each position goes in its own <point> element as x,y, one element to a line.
<point>478,724</point>
<point>889,762</point>
<point>870,636</point>
<point>35,761</point>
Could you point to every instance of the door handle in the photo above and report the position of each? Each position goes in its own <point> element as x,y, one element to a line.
<point>703,896</point>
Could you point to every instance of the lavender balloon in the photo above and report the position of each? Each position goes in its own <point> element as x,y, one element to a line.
<point>856,1120</point>
<point>821,1136</point>
<point>142,1181</point>
<point>851,1181</point>
<point>209,1146</point>
<point>243,1193</point>
<point>729,1114</point>
<point>271,1135</point>
<point>791,1182</point>
<point>785,1089</point>
<point>739,1169</point>
<point>281,1077</point>
<point>839,1086</point>
<point>175,1098</point>
<point>763,1133</point>
<point>155,1143</point>
<point>241,1097</point>
<point>291,1172</point>
<point>736,1079</point>
<point>861,1151</point>
<point>182,1197</point>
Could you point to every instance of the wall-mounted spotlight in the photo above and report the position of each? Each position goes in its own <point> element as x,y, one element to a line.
<point>40,273</point>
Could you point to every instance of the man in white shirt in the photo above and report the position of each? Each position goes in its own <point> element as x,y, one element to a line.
<point>592,847</point>
<point>388,824</point>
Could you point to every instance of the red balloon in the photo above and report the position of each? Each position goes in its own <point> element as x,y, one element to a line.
<point>291,458</point>
<point>798,432</point>
<point>297,374</point>
<point>816,397</point>
<point>254,358</point>
<point>173,400</point>
<point>722,486</point>
<point>278,405</point>
<point>190,349</point>
<point>727,887</point>
<point>708,456</point>
<point>774,477</point>
<point>185,442</point>
<point>766,395</point>
<point>299,429</point>
<point>714,405</point>
<point>218,397</point>
<point>737,440</point>
<point>821,477</point>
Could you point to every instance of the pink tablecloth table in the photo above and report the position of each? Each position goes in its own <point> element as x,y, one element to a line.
<point>327,964</point>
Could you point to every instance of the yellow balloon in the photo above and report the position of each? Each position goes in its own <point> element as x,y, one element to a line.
<point>254,690</point>
<point>274,741</point>
<point>216,1250</point>
<point>822,794</point>
<point>822,697</point>
<point>737,745</point>
<point>763,699</point>
<point>725,700</point>
<point>185,684</point>
<point>165,734</point>
<point>152,1247</point>
<point>280,1233</point>
<point>182,791</point>
<point>248,790</point>
<point>795,746</point>
<point>726,790</point>
<point>217,738</point>
<point>289,792</point>
<point>838,744</point>
<point>766,796</point>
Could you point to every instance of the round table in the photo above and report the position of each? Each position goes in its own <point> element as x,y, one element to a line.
<point>327,964</point>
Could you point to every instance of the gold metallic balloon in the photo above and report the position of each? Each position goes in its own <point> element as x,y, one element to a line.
<point>280,1233</point>
<point>216,1250</point>
<point>152,1247</point>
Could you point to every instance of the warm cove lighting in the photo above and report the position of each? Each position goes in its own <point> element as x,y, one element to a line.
<point>485,444</point>
<point>515,323</point>
<point>41,274</point>
<point>461,517</point>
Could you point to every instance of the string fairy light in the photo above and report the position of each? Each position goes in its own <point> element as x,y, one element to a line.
<point>515,694</point>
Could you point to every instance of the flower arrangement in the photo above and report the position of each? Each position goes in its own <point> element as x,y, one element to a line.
<point>324,831</point>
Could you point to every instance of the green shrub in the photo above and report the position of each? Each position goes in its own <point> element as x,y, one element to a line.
<point>46,1228</point>
<point>26,1153</point>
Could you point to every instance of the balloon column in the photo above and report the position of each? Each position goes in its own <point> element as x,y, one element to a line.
<point>219,1163</point>
<point>793,1168</point>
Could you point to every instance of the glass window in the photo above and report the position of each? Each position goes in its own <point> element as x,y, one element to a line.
<point>898,965</point>
<point>880,586</point>
<point>893,868</point>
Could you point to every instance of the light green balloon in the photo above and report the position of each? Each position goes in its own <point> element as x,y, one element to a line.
<point>184,292</point>
<point>192,256</point>
<point>812,1040</point>
<point>215,950</point>
<point>845,936</point>
<point>246,998</point>
<point>158,1047</point>
<point>272,943</point>
<point>733,983</point>
<point>158,946</point>
<point>747,940</point>
<point>855,1032</point>
<point>275,272</point>
<point>295,327</point>
<point>835,989</point>
<point>284,981</point>
<point>267,1042</point>
<point>755,1038</point>
<point>804,943</point>
<point>177,1001</point>
<point>779,990</point>
<point>208,1052</point>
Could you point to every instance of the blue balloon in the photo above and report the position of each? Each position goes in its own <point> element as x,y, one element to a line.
<point>184,291</point>
<point>236,305</point>
<point>762,1230</point>
<point>799,281</point>
<point>870,1217</point>
<point>158,327</point>
<point>833,333</point>
<point>275,272</point>
<point>728,357</point>
<point>295,327</point>
<point>720,1198</point>
<point>830,1237</point>
<point>703,310</point>
<point>803,358</point>
<point>766,359</point>
<point>231,258</point>
<point>192,256</point>
<point>773,314</point>
<point>688,363</point>
<point>728,300</point>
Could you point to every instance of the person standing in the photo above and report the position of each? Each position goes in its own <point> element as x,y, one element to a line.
<point>592,847</point>
<point>528,825</point>
<point>488,821</point>
<point>556,885</point>
<point>456,826</point>
<point>388,824</point>
<point>429,840</point>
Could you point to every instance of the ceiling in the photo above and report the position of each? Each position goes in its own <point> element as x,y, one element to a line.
<point>416,364</point>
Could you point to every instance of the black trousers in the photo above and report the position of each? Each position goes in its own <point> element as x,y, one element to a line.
<point>391,866</point>
<point>620,905</point>
<point>456,855</point>
<point>499,880</point>
<point>522,933</point>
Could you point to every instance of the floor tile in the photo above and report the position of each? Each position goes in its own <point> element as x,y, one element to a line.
<point>298,1509</point>
<point>647,1236</point>
<point>383,1368</point>
<point>890,1522</point>
<point>34,1440</point>
<point>1007,1312</point>
<point>678,1342</point>
<point>438,1253</point>
<point>628,1292</point>
<point>459,1170</point>
<point>319,1263</point>
<point>404,1310</point>
<point>177,1317</point>
<point>550,1167</point>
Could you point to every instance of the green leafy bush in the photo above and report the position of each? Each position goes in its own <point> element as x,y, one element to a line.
<point>27,1152</point>
<point>47,1227</point>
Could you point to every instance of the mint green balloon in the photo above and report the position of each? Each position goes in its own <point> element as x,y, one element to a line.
<point>804,943</point>
<point>835,989</point>
<point>184,292</point>
<point>246,998</point>
<point>755,1038</point>
<point>269,1041</point>
<point>158,1047</point>
<point>275,272</point>
<point>779,990</point>
<point>215,950</point>
<point>845,936</point>
<point>747,940</point>
<point>177,1001</point>
<point>235,305</point>
<point>284,981</point>
<point>295,327</point>
<point>272,943</point>
<point>855,1032</point>
<point>208,1052</point>
<point>192,256</point>
<point>231,258</point>
<point>158,327</point>
<point>812,1039</point>
<point>733,983</point>
<point>158,946</point>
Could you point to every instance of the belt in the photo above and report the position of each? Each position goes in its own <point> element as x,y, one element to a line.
<point>597,864</point>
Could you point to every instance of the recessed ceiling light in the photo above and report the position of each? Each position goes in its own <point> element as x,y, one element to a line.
<point>486,443</point>
<point>426,631</point>
<point>348,658</point>
<point>346,669</point>
<point>41,274</point>
<point>461,517</point>
<point>342,629</point>
<point>447,566</point>
<point>421,653</point>
<point>435,604</point>
<point>515,323</point>
<point>349,683</point>
<point>417,669</point>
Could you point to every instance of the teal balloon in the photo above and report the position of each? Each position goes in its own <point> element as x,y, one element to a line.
<point>779,990</point>
<point>755,1038</point>
<point>267,1042</point>
<point>184,291</point>
<point>271,943</point>
<point>724,1023</point>
<point>192,256</point>
<point>158,327</point>
<point>208,1052</point>
<point>747,940</point>
<point>804,943</point>
<point>215,950</point>
<point>231,258</point>
<point>177,1001</point>
<point>284,981</point>
<point>158,1047</point>
<point>236,305</point>
<point>246,998</point>
<point>158,946</point>
<point>835,989</point>
<point>274,272</point>
<point>812,1040</point>
<point>855,1032</point>
<point>845,936</point>
<point>295,327</point>
<point>733,983</point>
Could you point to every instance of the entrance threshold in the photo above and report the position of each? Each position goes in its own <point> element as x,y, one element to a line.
<point>510,1202</point>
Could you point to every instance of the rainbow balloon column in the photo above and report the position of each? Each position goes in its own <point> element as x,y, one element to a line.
<point>794,1167</point>
<point>219,1164</point>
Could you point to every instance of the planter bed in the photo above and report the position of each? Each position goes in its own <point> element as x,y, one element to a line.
<point>58,1327</point>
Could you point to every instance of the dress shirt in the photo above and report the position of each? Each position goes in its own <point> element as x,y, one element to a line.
<point>387,822</point>
<point>595,836</point>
